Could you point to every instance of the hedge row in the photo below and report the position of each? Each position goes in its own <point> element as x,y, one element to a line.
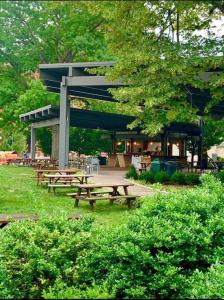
<point>172,247</point>
<point>162,177</point>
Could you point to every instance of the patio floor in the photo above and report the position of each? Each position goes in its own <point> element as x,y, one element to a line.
<point>117,176</point>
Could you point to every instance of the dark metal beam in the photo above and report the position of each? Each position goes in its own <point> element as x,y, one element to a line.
<point>91,81</point>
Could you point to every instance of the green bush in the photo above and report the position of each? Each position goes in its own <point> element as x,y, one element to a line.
<point>220,176</point>
<point>192,178</point>
<point>178,177</point>
<point>172,247</point>
<point>132,173</point>
<point>168,248</point>
<point>34,256</point>
<point>147,176</point>
<point>161,177</point>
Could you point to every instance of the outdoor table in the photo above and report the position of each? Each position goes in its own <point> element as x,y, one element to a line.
<point>65,180</point>
<point>40,173</point>
<point>89,195</point>
<point>56,177</point>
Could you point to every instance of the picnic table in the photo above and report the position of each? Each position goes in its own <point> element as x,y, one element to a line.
<point>7,218</point>
<point>63,180</point>
<point>40,173</point>
<point>86,192</point>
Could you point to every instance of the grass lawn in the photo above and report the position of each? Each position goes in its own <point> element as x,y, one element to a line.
<point>20,194</point>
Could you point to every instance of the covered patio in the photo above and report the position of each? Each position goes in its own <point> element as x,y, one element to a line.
<point>72,80</point>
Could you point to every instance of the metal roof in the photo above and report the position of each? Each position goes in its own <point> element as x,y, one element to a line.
<point>99,120</point>
<point>81,84</point>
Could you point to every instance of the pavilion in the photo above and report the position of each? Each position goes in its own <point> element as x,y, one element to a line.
<point>72,80</point>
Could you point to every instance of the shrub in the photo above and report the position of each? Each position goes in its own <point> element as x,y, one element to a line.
<point>178,177</point>
<point>164,248</point>
<point>172,247</point>
<point>132,173</point>
<point>147,176</point>
<point>220,176</point>
<point>36,255</point>
<point>192,178</point>
<point>161,177</point>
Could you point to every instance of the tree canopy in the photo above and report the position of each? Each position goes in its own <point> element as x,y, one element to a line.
<point>161,47</point>
<point>37,32</point>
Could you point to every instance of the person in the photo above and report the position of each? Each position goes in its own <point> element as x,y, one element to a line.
<point>25,155</point>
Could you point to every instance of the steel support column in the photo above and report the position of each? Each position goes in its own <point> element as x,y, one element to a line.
<point>33,142</point>
<point>64,125</point>
<point>55,142</point>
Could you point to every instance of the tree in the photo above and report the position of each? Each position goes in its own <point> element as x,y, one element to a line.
<point>36,32</point>
<point>161,47</point>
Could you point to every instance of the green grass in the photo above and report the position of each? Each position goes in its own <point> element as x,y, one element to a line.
<point>19,193</point>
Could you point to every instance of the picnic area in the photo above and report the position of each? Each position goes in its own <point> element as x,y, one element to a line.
<point>21,193</point>
<point>111,149</point>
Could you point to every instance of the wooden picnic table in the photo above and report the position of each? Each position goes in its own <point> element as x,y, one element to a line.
<point>86,193</point>
<point>63,180</point>
<point>7,218</point>
<point>41,172</point>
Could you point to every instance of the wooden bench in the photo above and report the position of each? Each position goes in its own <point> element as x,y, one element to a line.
<point>92,200</point>
<point>58,185</point>
<point>84,193</point>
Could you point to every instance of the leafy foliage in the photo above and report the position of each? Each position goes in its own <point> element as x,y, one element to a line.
<point>178,177</point>
<point>161,47</point>
<point>192,178</point>
<point>171,247</point>
<point>36,255</point>
<point>167,249</point>
<point>147,176</point>
<point>132,172</point>
<point>41,32</point>
<point>161,177</point>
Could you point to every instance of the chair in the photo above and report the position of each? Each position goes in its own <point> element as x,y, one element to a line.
<point>92,165</point>
<point>145,163</point>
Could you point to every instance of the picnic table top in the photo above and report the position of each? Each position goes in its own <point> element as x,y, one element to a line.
<point>87,186</point>
<point>5,218</point>
<point>55,171</point>
<point>66,176</point>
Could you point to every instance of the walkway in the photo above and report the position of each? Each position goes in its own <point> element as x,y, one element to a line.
<point>117,176</point>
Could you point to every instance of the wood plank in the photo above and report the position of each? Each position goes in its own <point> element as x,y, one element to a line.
<point>103,185</point>
<point>6,218</point>
<point>108,197</point>
<point>121,160</point>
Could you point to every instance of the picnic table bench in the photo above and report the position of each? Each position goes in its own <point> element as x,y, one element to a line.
<point>7,218</point>
<point>63,180</point>
<point>86,193</point>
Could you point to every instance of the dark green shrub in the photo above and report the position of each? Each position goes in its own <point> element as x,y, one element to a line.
<point>166,250</point>
<point>132,172</point>
<point>178,177</point>
<point>147,176</point>
<point>220,176</point>
<point>192,178</point>
<point>161,177</point>
<point>36,255</point>
<point>172,247</point>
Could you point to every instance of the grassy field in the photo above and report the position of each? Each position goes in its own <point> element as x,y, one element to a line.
<point>20,194</point>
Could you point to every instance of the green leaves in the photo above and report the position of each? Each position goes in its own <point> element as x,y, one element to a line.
<point>160,50</point>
